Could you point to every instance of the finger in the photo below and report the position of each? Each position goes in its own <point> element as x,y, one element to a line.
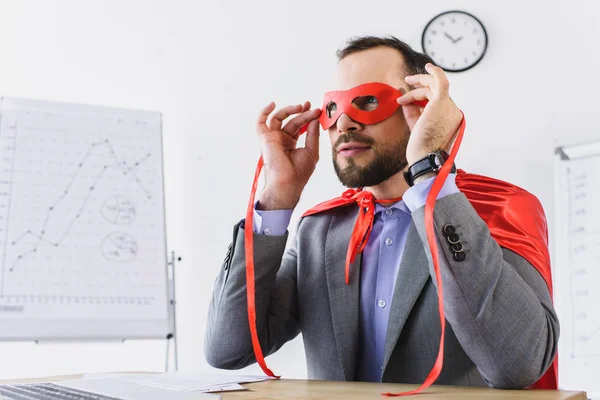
<point>439,77</point>
<point>312,139</point>
<point>422,80</point>
<point>415,95</point>
<point>306,106</point>
<point>412,113</point>
<point>280,115</point>
<point>294,125</point>
<point>261,122</point>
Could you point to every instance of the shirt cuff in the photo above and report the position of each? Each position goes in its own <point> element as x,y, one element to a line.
<point>416,196</point>
<point>271,223</point>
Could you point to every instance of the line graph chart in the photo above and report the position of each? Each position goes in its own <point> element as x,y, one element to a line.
<point>41,236</point>
<point>81,213</point>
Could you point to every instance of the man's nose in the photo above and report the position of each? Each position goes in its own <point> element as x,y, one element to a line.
<point>346,124</point>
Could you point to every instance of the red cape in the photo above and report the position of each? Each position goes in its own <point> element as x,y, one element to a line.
<point>516,221</point>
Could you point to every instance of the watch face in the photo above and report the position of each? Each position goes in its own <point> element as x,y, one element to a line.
<point>455,40</point>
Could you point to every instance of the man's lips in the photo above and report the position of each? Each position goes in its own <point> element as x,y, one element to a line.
<point>352,148</point>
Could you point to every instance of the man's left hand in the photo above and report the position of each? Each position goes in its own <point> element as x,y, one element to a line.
<point>435,126</point>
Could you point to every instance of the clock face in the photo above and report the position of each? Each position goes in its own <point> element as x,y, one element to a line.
<point>455,40</point>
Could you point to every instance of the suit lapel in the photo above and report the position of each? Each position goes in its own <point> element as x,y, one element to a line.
<point>343,298</point>
<point>412,276</point>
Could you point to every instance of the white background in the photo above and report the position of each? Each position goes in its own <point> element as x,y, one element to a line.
<point>210,66</point>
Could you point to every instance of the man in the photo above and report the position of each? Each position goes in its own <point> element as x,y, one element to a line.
<point>383,325</point>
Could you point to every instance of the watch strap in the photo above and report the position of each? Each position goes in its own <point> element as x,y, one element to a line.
<point>432,163</point>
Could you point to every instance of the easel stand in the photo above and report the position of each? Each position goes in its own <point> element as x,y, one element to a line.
<point>172,337</point>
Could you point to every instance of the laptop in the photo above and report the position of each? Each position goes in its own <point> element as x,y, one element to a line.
<point>95,389</point>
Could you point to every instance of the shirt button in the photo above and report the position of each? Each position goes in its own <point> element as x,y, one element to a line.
<point>389,241</point>
<point>389,211</point>
<point>267,232</point>
<point>381,303</point>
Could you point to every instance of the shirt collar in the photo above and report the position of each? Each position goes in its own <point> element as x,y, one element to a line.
<point>399,205</point>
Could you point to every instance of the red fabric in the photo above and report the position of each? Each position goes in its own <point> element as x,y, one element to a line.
<point>250,292</point>
<point>386,98</point>
<point>517,222</point>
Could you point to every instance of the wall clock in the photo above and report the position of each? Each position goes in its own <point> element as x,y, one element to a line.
<point>455,40</point>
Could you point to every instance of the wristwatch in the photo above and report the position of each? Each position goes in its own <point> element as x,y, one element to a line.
<point>432,163</point>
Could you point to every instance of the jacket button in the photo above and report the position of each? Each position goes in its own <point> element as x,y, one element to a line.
<point>459,256</point>
<point>458,247</point>
<point>449,230</point>
<point>453,238</point>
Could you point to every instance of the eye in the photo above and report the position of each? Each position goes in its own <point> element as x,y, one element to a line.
<point>365,103</point>
<point>331,109</point>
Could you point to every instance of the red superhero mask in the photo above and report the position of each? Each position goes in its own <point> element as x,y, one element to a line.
<point>368,104</point>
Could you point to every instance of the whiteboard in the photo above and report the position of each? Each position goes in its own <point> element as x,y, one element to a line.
<point>82,223</point>
<point>577,266</point>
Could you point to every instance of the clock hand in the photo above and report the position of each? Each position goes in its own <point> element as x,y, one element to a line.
<point>449,37</point>
<point>456,40</point>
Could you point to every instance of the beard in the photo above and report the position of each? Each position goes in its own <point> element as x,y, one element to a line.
<point>385,164</point>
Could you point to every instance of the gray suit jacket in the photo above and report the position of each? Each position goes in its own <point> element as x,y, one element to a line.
<point>502,329</point>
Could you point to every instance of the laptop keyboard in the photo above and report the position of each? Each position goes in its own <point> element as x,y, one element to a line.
<point>46,391</point>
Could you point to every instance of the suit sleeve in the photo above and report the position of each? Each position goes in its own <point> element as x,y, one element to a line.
<point>227,343</point>
<point>497,303</point>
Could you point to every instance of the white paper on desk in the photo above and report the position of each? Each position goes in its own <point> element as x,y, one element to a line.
<point>193,381</point>
<point>228,387</point>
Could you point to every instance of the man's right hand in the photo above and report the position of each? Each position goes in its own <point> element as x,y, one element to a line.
<point>287,168</point>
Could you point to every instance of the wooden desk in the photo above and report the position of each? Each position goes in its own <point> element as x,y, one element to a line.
<point>327,390</point>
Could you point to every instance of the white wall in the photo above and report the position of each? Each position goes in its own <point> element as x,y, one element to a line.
<point>210,66</point>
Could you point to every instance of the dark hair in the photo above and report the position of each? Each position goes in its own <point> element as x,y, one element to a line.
<point>414,61</point>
